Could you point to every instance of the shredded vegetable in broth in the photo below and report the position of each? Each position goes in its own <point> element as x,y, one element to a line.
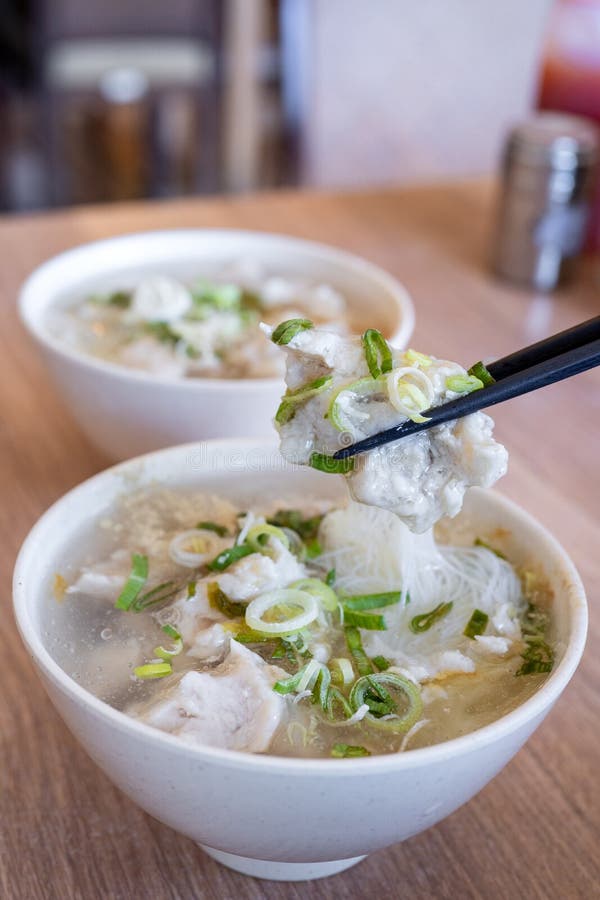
<point>297,630</point>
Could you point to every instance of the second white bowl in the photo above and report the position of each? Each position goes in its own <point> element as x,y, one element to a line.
<point>125,412</point>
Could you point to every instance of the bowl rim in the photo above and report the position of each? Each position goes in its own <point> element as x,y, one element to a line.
<point>539,703</point>
<point>33,320</point>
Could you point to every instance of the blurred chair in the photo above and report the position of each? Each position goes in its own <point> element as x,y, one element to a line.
<point>401,91</point>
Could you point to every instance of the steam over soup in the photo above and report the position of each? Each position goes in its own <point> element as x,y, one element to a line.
<point>205,328</point>
<point>297,631</point>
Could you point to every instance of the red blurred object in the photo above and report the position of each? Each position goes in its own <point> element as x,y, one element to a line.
<point>570,76</point>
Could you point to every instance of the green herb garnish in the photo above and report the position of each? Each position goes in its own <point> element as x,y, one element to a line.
<point>348,751</point>
<point>361,602</point>
<point>153,670</point>
<point>368,621</point>
<point>332,466</point>
<point>381,663</point>
<point>377,353</point>
<point>218,599</point>
<point>330,578</point>
<point>476,624</point>
<point>160,594</point>
<point>479,371</point>
<point>354,644</point>
<point>307,528</point>
<point>538,656</point>
<point>463,384</point>
<point>424,622</point>
<point>229,556</point>
<point>215,527</point>
<point>287,330</point>
<point>135,582</point>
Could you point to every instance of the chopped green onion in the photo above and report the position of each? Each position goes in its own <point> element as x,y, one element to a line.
<point>258,537</point>
<point>153,670</point>
<point>287,330</point>
<point>463,384</point>
<point>326,596</point>
<point>300,681</point>
<point>538,656</point>
<point>330,465</point>
<point>406,397</point>
<point>219,600</point>
<point>244,635</point>
<point>368,621</point>
<point>292,518</point>
<point>424,622</point>
<point>336,698</point>
<point>162,332</point>
<point>348,751</point>
<point>479,543</point>
<point>220,296</point>
<point>135,582</point>
<point>160,594</point>
<point>321,687</point>
<point>377,352</point>
<point>213,526</point>
<point>361,602</point>
<point>421,360</point>
<point>476,624</point>
<point>120,299</point>
<point>191,590</point>
<point>292,399</point>
<point>292,608</point>
<point>229,556</point>
<point>330,578</point>
<point>381,663</point>
<point>354,644</point>
<point>480,372</point>
<point>360,392</point>
<point>341,670</point>
<point>383,709</point>
<point>165,654</point>
<point>313,549</point>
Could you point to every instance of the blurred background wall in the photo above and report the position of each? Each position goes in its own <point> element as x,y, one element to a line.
<point>104,100</point>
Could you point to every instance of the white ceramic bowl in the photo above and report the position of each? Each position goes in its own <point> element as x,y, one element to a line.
<point>276,817</point>
<point>125,412</point>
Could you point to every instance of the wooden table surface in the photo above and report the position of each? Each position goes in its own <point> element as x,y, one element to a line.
<point>66,832</point>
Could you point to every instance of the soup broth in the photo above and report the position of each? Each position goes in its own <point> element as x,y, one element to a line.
<point>368,656</point>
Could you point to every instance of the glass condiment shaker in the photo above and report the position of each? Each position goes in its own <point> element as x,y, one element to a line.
<point>548,176</point>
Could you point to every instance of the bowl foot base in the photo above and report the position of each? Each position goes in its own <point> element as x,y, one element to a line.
<point>280,871</point>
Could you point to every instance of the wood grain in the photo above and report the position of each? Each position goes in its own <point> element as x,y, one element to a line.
<point>65,830</point>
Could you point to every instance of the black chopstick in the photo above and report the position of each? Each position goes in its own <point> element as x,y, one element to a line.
<point>574,361</point>
<point>559,343</point>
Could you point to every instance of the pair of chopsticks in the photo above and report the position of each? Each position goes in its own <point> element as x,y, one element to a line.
<point>560,356</point>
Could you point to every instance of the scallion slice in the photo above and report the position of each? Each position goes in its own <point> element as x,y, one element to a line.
<point>330,578</point>
<point>307,528</point>
<point>153,670</point>
<point>358,393</point>
<point>160,594</point>
<point>288,611</point>
<point>360,602</point>
<point>341,670</point>
<point>381,663</point>
<point>219,600</point>
<point>287,330</point>
<point>480,372</point>
<point>258,537</point>
<point>335,698</point>
<point>293,399</point>
<point>422,623</point>
<point>377,352</point>
<point>165,654</point>
<point>476,624</point>
<point>463,384</point>
<point>213,526</point>
<point>354,644</point>
<point>324,594</point>
<point>135,582</point>
<point>421,360</point>
<point>229,556</point>
<point>383,709</point>
<point>348,751</point>
<point>368,621</point>
<point>332,466</point>
<point>299,682</point>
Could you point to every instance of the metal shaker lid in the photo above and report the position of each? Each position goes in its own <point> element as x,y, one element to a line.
<point>558,140</point>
